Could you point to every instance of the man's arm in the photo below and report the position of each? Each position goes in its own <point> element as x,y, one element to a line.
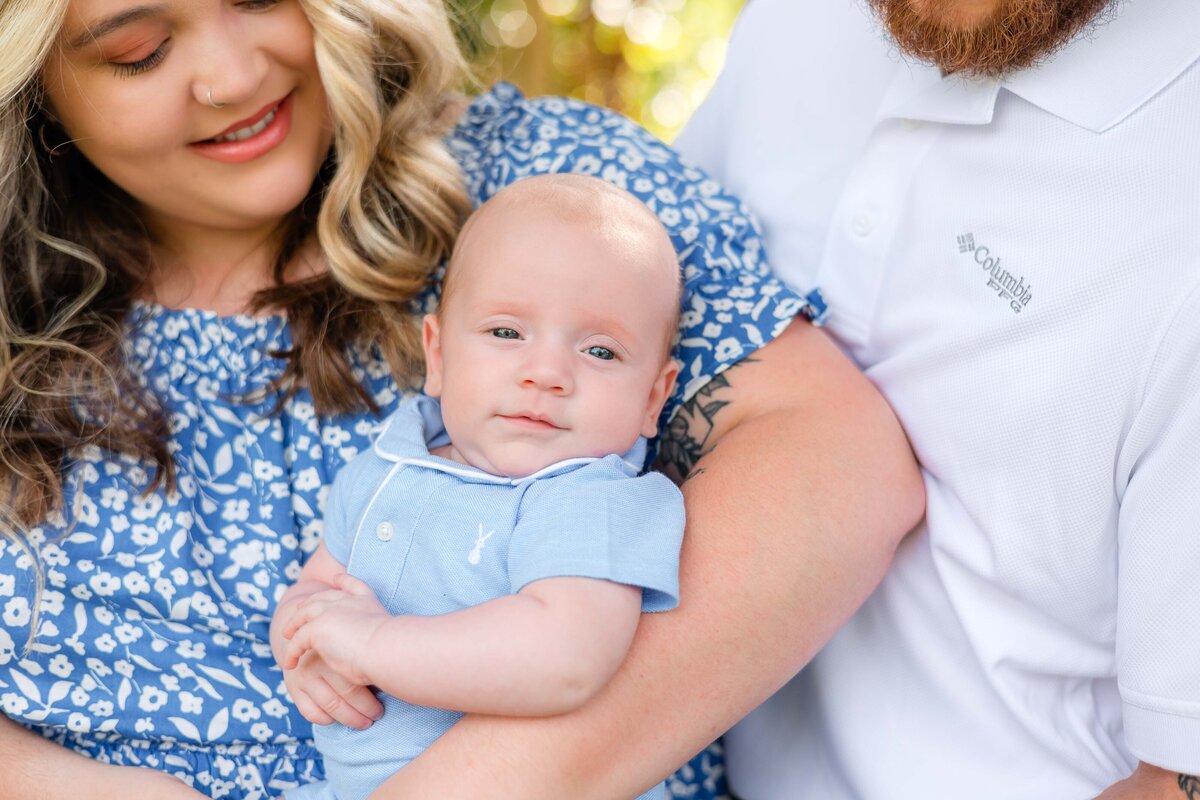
<point>1151,783</point>
<point>800,485</point>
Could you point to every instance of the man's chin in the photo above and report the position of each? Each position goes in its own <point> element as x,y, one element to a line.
<point>985,37</point>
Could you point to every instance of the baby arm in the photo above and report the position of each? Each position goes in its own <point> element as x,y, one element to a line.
<point>545,650</point>
<point>322,694</point>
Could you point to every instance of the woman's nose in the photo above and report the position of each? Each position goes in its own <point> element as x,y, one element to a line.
<point>232,65</point>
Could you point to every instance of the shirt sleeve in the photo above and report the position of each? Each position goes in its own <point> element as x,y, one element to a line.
<point>336,533</point>
<point>597,522</point>
<point>731,304</point>
<point>1158,606</point>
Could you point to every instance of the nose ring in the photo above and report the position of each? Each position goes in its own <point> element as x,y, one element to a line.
<point>212,102</point>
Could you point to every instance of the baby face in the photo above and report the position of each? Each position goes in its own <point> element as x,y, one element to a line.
<point>553,343</point>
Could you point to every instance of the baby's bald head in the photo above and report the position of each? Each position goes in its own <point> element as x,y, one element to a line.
<point>612,218</point>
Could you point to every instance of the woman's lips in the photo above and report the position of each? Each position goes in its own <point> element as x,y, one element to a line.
<point>259,143</point>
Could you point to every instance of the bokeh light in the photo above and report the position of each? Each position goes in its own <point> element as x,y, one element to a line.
<point>654,60</point>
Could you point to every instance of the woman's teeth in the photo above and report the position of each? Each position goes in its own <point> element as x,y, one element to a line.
<point>246,133</point>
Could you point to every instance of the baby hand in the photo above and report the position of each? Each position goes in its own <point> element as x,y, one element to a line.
<point>324,696</point>
<point>338,624</point>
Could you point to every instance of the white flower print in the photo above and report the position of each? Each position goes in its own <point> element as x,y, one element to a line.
<point>101,708</point>
<point>14,704</point>
<point>61,666</point>
<point>104,584</point>
<point>7,648</point>
<point>152,699</point>
<point>144,535</point>
<point>52,602</point>
<point>274,708</point>
<point>16,612</point>
<point>245,711</point>
<point>190,703</point>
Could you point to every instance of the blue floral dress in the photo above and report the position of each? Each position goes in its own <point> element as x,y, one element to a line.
<point>152,645</point>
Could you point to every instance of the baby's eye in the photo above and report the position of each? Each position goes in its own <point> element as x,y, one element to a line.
<point>602,353</point>
<point>505,333</point>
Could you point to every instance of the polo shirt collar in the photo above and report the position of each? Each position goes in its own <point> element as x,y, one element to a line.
<point>416,428</point>
<point>1095,81</point>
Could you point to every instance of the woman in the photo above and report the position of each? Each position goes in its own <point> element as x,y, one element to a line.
<point>218,220</point>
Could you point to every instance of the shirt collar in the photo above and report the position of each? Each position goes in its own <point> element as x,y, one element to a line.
<point>416,428</point>
<point>1095,81</point>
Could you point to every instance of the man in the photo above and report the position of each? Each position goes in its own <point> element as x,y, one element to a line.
<point>1002,206</point>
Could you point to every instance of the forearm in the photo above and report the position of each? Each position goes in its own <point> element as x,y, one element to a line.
<point>518,655</point>
<point>1152,783</point>
<point>792,521</point>
<point>35,768</point>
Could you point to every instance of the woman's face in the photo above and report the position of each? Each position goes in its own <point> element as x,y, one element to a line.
<point>130,84</point>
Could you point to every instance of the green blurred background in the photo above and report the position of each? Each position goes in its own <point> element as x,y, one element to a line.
<point>653,60</point>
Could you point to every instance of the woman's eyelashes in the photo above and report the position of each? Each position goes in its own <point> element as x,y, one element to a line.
<point>126,69</point>
<point>129,68</point>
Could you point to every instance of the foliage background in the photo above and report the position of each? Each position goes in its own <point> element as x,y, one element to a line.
<point>653,60</point>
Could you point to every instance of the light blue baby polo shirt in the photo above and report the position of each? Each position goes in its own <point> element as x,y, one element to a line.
<point>431,536</point>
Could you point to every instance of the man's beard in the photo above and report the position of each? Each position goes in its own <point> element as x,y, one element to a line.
<point>1018,34</point>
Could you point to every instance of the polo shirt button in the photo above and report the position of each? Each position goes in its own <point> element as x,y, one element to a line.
<point>863,223</point>
<point>384,531</point>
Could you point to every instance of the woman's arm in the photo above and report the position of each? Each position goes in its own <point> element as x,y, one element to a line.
<point>800,484</point>
<point>35,768</point>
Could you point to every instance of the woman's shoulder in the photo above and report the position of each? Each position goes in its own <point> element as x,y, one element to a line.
<point>503,136</point>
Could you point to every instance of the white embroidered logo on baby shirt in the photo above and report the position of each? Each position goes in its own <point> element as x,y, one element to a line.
<point>477,550</point>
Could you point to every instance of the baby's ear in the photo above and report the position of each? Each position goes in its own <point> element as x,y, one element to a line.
<point>432,342</point>
<point>659,392</point>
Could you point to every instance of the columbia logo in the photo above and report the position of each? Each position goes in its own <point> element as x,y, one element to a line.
<point>1008,287</point>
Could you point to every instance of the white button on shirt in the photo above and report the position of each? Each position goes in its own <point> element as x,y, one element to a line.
<point>384,531</point>
<point>1016,265</point>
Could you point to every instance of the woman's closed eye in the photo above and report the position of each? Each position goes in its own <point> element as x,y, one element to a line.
<point>130,68</point>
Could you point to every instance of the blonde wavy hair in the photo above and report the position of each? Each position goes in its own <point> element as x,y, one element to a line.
<point>385,207</point>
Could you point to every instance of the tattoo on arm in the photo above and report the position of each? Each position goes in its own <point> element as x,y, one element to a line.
<point>1190,786</point>
<point>688,437</point>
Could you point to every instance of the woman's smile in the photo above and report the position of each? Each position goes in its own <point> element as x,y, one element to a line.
<point>249,139</point>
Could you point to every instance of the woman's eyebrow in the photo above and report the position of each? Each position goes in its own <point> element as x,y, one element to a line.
<point>109,24</point>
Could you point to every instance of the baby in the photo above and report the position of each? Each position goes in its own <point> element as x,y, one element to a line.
<point>502,543</point>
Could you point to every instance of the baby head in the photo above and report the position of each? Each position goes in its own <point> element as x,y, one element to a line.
<point>553,339</point>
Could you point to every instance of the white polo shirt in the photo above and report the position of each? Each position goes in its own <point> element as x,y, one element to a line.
<point>1016,265</point>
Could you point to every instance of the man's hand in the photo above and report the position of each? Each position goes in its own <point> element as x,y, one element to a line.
<point>1151,783</point>
<point>339,625</point>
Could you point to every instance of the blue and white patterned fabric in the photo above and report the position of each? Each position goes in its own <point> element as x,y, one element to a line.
<point>431,536</point>
<point>152,644</point>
